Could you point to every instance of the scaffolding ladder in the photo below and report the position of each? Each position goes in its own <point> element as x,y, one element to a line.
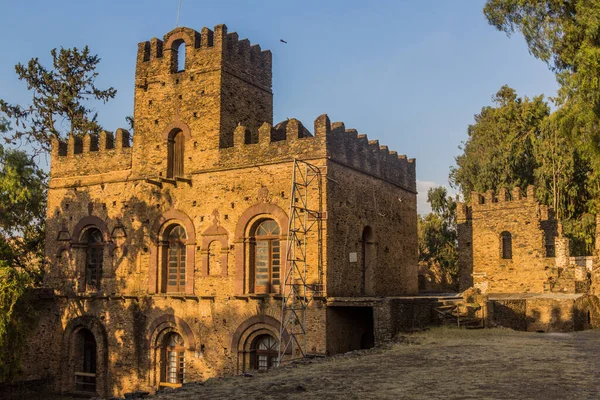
<point>305,225</point>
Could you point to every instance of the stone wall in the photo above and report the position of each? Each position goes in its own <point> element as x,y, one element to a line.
<point>543,312</point>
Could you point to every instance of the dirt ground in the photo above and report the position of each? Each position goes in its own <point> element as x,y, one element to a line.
<point>443,363</point>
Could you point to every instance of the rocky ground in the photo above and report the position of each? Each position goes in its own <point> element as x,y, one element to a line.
<point>442,363</point>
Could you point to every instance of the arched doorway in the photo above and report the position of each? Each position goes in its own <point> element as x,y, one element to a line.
<point>85,358</point>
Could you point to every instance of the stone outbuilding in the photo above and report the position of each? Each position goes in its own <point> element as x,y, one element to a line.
<point>512,252</point>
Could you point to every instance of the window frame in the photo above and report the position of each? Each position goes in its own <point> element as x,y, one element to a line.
<point>91,247</point>
<point>167,367</point>
<point>506,246</point>
<point>176,154</point>
<point>179,245</point>
<point>268,356</point>
<point>272,241</point>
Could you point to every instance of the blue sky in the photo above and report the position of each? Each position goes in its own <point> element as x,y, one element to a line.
<point>409,73</point>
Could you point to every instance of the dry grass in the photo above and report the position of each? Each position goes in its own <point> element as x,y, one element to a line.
<point>443,363</point>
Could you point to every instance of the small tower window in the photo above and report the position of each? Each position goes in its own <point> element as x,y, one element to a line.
<point>506,243</point>
<point>175,157</point>
<point>179,51</point>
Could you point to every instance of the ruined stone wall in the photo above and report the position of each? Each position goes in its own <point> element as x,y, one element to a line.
<point>531,227</point>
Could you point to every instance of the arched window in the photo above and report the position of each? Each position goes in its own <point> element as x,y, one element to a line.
<point>174,359</point>
<point>175,260</point>
<point>176,147</point>
<point>264,352</point>
<point>506,243</point>
<point>180,54</point>
<point>267,257</point>
<point>94,259</point>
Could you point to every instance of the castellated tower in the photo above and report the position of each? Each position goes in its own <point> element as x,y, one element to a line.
<point>224,82</point>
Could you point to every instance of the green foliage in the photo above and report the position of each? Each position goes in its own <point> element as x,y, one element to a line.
<point>437,237</point>
<point>562,33</point>
<point>566,35</point>
<point>581,232</point>
<point>22,208</point>
<point>563,169</point>
<point>60,96</point>
<point>499,151</point>
<point>22,214</point>
<point>17,317</point>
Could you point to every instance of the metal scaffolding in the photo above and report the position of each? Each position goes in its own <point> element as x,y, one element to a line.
<point>306,212</point>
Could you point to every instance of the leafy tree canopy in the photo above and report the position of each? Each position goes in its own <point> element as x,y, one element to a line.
<point>22,212</point>
<point>499,151</point>
<point>566,35</point>
<point>437,238</point>
<point>60,97</point>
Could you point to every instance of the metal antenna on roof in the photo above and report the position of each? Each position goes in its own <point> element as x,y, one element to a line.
<point>178,12</point>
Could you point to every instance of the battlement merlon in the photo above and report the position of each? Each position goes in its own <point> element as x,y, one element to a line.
<point>91,154</point>
<point>206,50</point>
<point>463,213</point>
<point>490,197</point>
<point>505,198</point>
<point>343,145</point>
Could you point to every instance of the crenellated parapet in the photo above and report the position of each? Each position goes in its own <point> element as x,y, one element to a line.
<point>91,154</point>
<point>267,144</point>
<point>349,147</point>
<point>206,50</point>
<point>291,139</point>
<point>504,199</point>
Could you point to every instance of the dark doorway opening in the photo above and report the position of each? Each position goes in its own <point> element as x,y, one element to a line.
<point>349,328</point>
<point>85,374</point>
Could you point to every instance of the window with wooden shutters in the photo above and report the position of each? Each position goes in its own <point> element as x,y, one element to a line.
<point>267,257</point>
<point>175,268</point>
<point>175,157</point>
<point>94,259</point>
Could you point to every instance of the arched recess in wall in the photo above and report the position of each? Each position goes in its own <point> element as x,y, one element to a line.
<point>159,332</point>
<point>243,237</point>
<point>369,260</point>
<point>215,250</point>
<point>158,253</point>
<point>245,337</point>
<point>84,352</point>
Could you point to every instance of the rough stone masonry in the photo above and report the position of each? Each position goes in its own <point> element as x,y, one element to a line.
<point>165,254</point>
